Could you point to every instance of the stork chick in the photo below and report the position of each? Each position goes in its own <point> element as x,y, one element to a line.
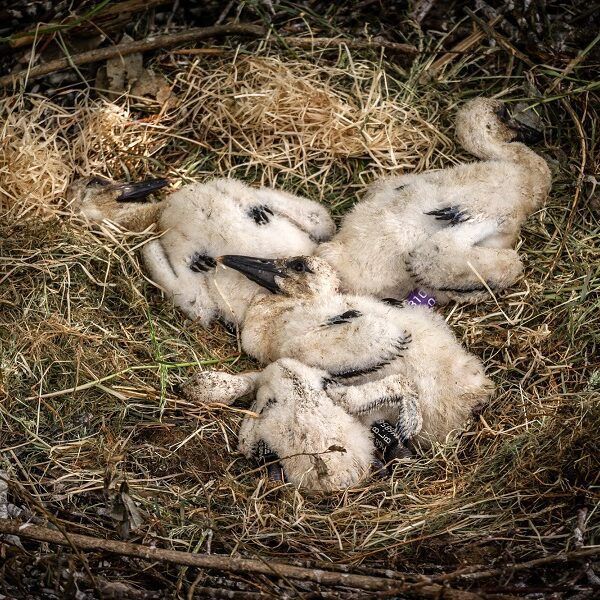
<point>199,222</point>
<point>449,232</point>
<point>386,354</point>
<point>320,446</point>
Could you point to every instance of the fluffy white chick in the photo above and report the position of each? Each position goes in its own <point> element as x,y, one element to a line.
<point>450,232</point>
<point>201,221</point>
<point>320,445</point>
<point>385,353</point>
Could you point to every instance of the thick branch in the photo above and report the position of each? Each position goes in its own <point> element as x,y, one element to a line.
<point>221,563</point>
<point>422,588</point>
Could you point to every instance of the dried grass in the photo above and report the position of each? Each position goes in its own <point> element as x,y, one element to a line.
<point>32,168</point>
<point>303,117</point>
<point>76,311</point>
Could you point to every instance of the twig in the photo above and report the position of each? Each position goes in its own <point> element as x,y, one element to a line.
<point>355,44</point>
<point>460,48</point>
<point>199,33</point>
<point>422,587</point>
<point>472,574</point>
<point>151,43</point>
<point>502,41</point>
<point>579,535</point>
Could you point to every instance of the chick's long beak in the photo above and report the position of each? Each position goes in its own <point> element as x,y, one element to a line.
<point>133,192</point>
<point>260,270</point>
<point>523,133</point>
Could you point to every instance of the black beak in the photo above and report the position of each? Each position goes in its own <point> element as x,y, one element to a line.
<point>523,133</point>
<point>132,192</point>
<point>260,270</point>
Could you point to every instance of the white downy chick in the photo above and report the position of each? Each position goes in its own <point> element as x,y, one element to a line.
<point>388,355</point>
<point>201,221</point>
<point>320,446</point>
<point>448,231</point>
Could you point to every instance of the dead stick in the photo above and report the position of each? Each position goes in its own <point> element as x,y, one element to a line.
<point>151,43</point>
<point>356,44</point>
<point>459,48</point>
<point>472,574</point>
<point>491,32</point>
<point>421,586</point>
<point>199,33</point>
<point>206,561</point>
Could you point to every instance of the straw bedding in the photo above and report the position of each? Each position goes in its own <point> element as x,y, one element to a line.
<point>77,312</point>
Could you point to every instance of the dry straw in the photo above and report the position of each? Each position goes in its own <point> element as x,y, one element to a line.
<point>300,117</point>
<point>294,123</point>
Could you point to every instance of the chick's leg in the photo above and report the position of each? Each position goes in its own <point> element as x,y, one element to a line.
<point>122,203</point>
<point>449,261</point>
<point>135,216</point>
<point>393,392</point>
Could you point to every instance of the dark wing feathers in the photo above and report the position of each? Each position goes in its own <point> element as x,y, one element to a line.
<point>454,214</point>
<point>345,317</point>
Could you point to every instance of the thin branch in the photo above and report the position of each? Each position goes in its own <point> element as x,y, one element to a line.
<point>151,43</point>
<point>354,44</point>
<point>473,574</point>
<point>199,33</point>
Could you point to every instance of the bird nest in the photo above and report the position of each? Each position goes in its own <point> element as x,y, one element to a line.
<point>91,428</point>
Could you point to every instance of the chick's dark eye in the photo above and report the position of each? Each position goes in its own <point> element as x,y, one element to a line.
<point>298,265</point>
<point>502,113</point>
